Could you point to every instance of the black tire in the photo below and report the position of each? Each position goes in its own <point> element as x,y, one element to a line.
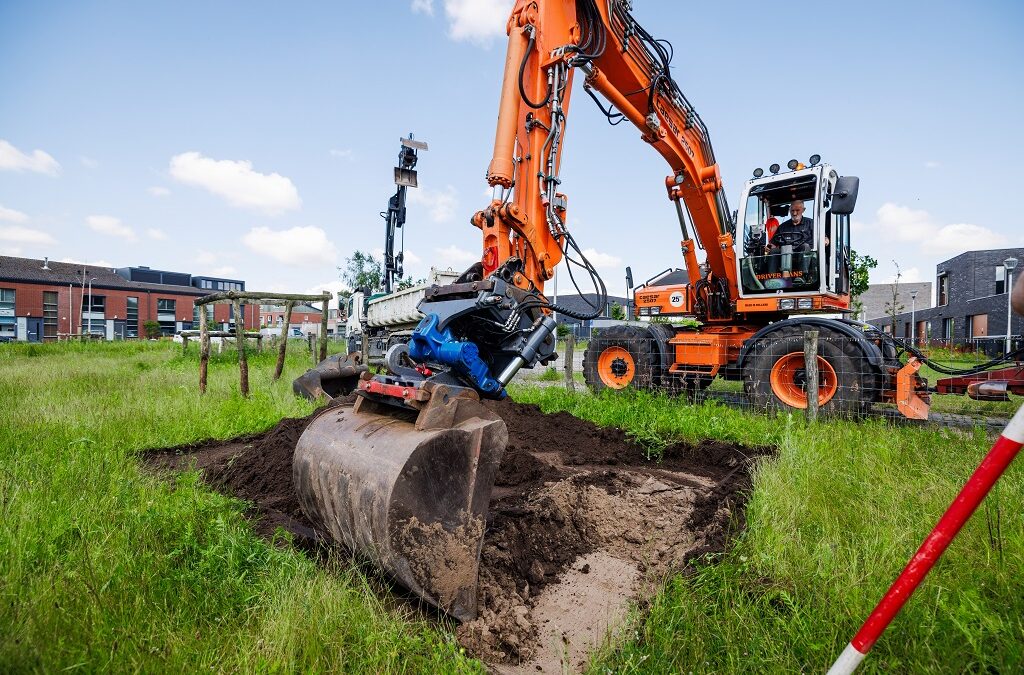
<point>854,379</point>
<point>640,366</point>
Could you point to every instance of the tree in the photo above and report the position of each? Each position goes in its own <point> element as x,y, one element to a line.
<point>409,283</point>
<point>364,272</point>
<point>860,273</point>
<point>616,311</point>
<point>151,329</point>
<point>894,307</point>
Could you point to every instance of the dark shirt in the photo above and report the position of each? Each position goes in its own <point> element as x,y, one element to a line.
<point>806,228</point>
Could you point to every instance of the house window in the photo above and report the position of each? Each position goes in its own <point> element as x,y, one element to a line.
<point>131,324</point>
<point>7,321</point>
<point>165,315</point>
<point>49,315</point>
<point>947,329</point>
<point>1000,279</point>
<point>94,317</point>
<point>977,326</point>
<point>943,285</point>
<point>195,316</point>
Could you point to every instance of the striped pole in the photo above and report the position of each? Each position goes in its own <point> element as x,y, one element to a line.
<point>935,544</point>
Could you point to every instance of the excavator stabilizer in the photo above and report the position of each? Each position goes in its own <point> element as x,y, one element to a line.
<point>406,489</point>
<point>335,376</point>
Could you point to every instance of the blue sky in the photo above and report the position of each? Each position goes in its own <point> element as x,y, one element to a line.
<point>256,140</point>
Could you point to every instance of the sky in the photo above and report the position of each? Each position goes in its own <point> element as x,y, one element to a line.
<point>256,140</point>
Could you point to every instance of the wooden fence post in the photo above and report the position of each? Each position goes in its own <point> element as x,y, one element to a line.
<point>184,345</point>
<point>243,364</point>
<point>204,349</point>
<point>284,340</point>
<point>811,369</point>
<point>570,344</point>
<point>323,326</point>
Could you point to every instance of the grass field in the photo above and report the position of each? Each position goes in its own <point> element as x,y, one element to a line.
<point>109,568</point>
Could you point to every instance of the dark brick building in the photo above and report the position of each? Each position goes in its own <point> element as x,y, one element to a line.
<point>42,300</point>
<point>971,302</point>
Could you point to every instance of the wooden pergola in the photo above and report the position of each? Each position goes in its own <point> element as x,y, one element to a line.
<point>237,299</point>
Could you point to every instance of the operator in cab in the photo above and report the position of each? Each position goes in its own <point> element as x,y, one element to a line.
<point>797,231</point>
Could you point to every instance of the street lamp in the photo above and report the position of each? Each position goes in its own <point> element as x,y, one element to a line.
<point>1010,264</point>
<point>913,321</point>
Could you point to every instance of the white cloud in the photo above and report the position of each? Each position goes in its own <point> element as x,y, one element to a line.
<point>225,271</point>
<point>237,183</point>
<point>13,159</point>
<point>158,191</point>
<point>206,258</point>
<point>346,153</point>
<point>599,259</point>
<point>410,257</point>
<point>12,216</point>
<point>13,251</point>
<point>423,7</point>
<point>907,276</point>
<point>477,21</point>
<point>295,246</point>
<point>441,204</point>
<point>18,234</point>
<point>333,287</point>
<point>88,162</point>
<point>894,223</point>
<point>455,257</point>
<point>932,164</point>
<point>154,233</point>
<point>110,225</point>
<point>97,263</point>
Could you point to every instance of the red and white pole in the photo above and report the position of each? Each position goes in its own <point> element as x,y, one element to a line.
<point>935,544</point>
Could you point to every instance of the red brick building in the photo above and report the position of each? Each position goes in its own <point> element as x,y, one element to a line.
<point>304,317</point>
<point>42,300</point>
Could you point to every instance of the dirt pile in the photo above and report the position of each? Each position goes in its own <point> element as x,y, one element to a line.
<point>580,524</point>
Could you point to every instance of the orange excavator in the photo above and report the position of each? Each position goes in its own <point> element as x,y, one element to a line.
<point>403,477</point>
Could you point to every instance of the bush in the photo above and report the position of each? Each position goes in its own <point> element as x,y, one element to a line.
<point>151,329</point>
<point>562,330</point>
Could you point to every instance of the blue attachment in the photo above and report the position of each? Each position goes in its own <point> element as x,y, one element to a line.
<point>440,346</point>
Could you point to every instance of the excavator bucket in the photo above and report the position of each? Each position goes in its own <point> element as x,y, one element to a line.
<point>406,489</point>
<point>335,376</point>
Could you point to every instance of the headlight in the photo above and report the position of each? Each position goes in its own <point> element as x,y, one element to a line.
<point>804,303</point>
<point>787,303</point>
<point>655,310</point>
<point>645,311</point>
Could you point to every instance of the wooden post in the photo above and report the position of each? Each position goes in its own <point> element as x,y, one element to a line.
<point>312,350</point>
<point>204,349</point>
<point>184,345</point>
<point>243,364</point>
<point>284,340</point>
<point>323,326</point>
<point>570,343</point>
<point>811,369</point>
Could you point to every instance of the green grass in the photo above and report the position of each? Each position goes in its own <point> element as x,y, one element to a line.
<point>831,521</point>
<point>106,567</point>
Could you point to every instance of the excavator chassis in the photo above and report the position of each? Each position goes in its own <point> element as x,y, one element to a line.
<point>403,479</point>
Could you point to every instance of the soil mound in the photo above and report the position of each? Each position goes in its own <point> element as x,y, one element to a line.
<point>581,523</point>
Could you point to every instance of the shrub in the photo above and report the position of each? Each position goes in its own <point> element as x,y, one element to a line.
<point>151,329</point>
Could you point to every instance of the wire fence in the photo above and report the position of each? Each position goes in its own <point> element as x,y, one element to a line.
<point>818,373</point>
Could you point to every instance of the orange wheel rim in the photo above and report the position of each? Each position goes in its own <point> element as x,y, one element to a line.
<point>789,381</point>
<point>616,367</point>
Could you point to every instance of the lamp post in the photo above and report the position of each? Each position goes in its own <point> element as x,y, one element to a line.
<point>913,320</point>
<point>1010,264</point>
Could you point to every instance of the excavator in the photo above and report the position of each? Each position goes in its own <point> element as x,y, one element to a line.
<point>403,477</point>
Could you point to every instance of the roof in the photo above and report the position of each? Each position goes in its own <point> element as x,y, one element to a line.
<point>30,270</point>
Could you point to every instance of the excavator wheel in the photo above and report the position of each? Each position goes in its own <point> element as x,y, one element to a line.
<point>775,377</point>
<point>620,357</point>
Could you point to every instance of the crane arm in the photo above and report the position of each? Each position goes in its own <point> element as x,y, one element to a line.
<point>548,40</point>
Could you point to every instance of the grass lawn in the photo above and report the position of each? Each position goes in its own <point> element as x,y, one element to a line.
<point>106,567</point>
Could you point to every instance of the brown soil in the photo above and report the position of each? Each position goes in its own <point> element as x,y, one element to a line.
<point>567,492</point>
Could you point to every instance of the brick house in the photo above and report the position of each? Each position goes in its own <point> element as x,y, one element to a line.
<point>304,317</point>
<point>43,301</point>
<point>971,302</point>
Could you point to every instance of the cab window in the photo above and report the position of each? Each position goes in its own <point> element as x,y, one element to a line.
<point>780,237</point>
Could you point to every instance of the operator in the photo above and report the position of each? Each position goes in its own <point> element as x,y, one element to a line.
<point>796,224</point>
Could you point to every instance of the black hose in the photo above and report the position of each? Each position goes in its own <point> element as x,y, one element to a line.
<point>522,70</point>
<point>1014,356</point>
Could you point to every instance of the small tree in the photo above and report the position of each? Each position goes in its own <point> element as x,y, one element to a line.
<point>894,307</point>
<point>152,329</point>
<point>562,330</point>
<point>409,283</point>
<point>860,279</point>
<point>363,271</point>
<point>616,311</point>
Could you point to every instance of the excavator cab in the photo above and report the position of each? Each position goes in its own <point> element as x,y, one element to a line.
<point>796,235</point>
